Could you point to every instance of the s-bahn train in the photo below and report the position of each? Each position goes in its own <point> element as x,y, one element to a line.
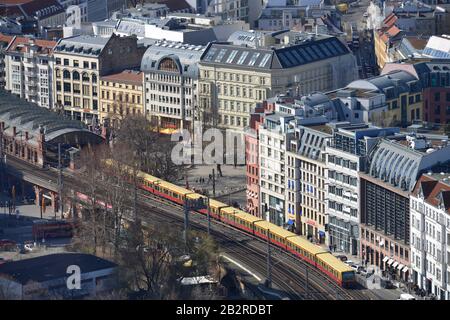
<point>334,268</point>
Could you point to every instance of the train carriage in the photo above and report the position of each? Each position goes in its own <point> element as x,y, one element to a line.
<point>148,182</point>
<point>170,191</point>
<point>335,269</point>
<point>215,207</point>
<point>277,235</point>
<point>303,249</point>
<point>227,215</point>
<point>245,221</point>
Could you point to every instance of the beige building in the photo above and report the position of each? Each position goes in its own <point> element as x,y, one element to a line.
<point>233,78</point>
<point>79,63</point>
<point>121,94</point>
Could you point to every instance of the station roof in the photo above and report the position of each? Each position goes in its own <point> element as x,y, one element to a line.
<point>28,117</point>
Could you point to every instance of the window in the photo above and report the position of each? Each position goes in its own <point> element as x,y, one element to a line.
<point>76,75</point>
<point>437,96</point>
<point>93,65</point>
<point>58,61</point>
<point>66,62</point>
<point>76,63</point>
<point>86,65</point>
<point>66,74</point>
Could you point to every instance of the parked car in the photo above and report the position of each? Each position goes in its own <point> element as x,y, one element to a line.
<point>349,262</point>
<point>342,258</point>
<point>406,296</point>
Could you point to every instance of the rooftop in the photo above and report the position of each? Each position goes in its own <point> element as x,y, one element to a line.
<point>29,117</point>
<point>126,76</point>
<point>82,45</point>
<point>309,51</point>
<point>52,267</point>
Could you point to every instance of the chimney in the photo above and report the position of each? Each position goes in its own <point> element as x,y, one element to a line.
<point>26,135</point>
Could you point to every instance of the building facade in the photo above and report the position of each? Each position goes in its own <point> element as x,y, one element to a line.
<point>79,63</point>
<point>233,78</point>
<point>393,168</point>
<point>430,234</point>
<point>121,94</point>
<point>29,70</point>
<point>171,80</point>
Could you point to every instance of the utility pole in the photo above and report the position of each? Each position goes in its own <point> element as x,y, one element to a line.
<point>214,183</point>
<point>186,222</point>
<point>60,183</point>
<point>269,262</point>
<point>209,218</point>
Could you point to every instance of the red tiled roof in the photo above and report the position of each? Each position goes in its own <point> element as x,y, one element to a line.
<point>433,190</point>
<point>5,38</point>
<point>126,76</point>
<point>390,20</point>
<point>417,43</point>
<point>45,45</point>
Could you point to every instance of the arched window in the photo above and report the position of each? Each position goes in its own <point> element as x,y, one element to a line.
<point>85,76</point>
<point>94,78</point>
<point>76,75</point>
<point>66,74</point>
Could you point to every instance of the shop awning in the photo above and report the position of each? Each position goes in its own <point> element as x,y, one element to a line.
<point>385,259</point>
<point>395,264</point>
<point>405,269</point>
<point>390,262</point>
<point>400,266</point>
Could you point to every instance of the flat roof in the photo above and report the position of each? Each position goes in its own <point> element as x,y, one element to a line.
<point>52,267</point>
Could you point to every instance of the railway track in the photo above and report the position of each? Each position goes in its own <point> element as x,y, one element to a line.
<point>288,272</point>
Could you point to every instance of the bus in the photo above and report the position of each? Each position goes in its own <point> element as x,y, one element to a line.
<point>52,229</point>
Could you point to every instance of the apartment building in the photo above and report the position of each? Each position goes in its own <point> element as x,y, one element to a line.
<point>308,192</point>
<point>346,157</point>
<point>430,234</point>
<point>401,103</point>
<point>80,61</point>
<point>434,77</point>
<point>29,70</point>
<point>290,137</point>
<point>252,160</point>
<point>171,80</point>
<point>35,15</point>
<point>4,42</point>
<point>121,94</point>
<point>272,152</point>
<point>233,78</point>
<point>394,165</point>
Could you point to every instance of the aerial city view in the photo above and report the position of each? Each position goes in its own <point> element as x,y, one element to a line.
<point>225,150</point>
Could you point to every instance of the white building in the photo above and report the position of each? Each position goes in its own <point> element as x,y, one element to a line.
<point>29,69</point>
<point>430,234</point>
<point>272,150</point>
<point>171,79</point>
<point>346,154</point>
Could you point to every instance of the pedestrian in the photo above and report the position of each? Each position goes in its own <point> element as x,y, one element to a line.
<point>334,247</point>
<point>209,178</point>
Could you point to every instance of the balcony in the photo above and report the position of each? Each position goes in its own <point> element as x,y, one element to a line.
<point>31,74</point>
<point>31,91</point>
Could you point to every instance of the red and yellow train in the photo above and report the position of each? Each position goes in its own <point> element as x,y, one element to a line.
<point>316,256</point>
